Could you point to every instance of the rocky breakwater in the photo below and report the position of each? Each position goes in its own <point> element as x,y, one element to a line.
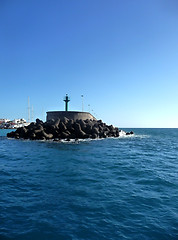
<point>66,129</point>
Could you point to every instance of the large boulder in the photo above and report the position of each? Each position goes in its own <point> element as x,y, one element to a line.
<point>23,132</point>
<point>65,135</point>
<point>94,135</point>
<point>95,130</point>
<point>82,125</point>
<point>62,127</point>
<point>38,121</point>
<point>77,127</point>
<point>56,123</point>
<point>88,129</point>
<point>80,134</point>
<point>47,135</point>
<point>65,120</point>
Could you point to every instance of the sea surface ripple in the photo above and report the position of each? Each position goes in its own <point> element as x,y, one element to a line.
<point>110,189</point>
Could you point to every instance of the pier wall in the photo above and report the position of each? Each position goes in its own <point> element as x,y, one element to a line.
<point>69,114</point>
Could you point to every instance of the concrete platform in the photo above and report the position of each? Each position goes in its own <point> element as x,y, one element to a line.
<point>70,115</point>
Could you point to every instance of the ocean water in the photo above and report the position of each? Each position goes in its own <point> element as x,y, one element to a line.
<point>110,189</point>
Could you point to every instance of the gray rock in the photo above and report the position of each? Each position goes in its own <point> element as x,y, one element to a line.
<point>64,135</point>
<point>62,127</point>
<point>47,135</point>
<point>95,130</point>
<point>56,123</point>
<point>94,135</point>
<point>81,134</point>
<point>77,127</point>
<point>65,120</point>
<point>38,121</point>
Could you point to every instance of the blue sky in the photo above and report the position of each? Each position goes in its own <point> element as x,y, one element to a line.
<point>121,55</point>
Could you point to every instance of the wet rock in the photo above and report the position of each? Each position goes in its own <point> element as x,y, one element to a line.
<point>56,140</point>
<point>104,135</point>
<point>117,133</point>
<point>72,136</point>
<point>46,135</point>
<point>129,133</point>
<point>11,135</point>
<point>94,135</point>
<point>32,136</point>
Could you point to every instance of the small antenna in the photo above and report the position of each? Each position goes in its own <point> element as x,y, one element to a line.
<point>28,109</point>
<point>32,113</point>
<point>43,114</point>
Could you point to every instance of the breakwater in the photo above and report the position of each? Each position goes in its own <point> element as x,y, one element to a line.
<point>66,129</point>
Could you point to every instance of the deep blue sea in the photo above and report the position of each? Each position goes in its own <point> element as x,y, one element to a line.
<point>110,189</point>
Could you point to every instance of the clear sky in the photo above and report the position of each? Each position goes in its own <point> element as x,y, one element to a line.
<point>122,55</point>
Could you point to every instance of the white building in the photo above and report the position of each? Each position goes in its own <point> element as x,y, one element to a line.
<point>16,123</point>
<point>4,120</point>
<point>21,122</point>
